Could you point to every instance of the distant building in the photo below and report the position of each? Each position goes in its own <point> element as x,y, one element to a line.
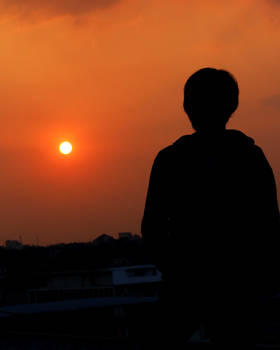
<point>13,244</point>
<point>127,235</point>
<point>113,299</point>
<point>103,239</point>
<point>136,237</point>
<point>129,281</point>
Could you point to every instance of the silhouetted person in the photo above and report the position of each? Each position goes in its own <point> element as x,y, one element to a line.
<point>211,221</point>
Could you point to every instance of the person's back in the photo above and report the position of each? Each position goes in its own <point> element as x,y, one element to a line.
<point>211,220</point>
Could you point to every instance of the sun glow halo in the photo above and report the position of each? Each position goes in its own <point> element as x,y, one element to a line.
<point>65,147</point>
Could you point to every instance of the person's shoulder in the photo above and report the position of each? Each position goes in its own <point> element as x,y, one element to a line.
<point>170,150</point>
<point>251,151</point>
<point>245,142</point>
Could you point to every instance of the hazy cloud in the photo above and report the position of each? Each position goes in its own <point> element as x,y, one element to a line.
<point>271,101</point>
<point>53,7</point>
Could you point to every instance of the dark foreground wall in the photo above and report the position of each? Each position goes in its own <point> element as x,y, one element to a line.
<point>105,328</point>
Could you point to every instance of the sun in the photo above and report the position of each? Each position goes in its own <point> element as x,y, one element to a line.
<point>65,147</point>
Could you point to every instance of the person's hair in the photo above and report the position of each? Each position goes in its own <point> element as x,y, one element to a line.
<point>210,98</point>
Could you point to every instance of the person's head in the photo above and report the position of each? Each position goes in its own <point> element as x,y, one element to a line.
<point>210,98</point>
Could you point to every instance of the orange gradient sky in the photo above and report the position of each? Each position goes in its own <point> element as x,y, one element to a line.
<point>108,76</point>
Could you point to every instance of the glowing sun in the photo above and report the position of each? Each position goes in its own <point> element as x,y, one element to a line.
<point>65,147</point>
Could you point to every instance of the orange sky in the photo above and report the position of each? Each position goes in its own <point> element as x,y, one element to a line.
<point>108,76</point>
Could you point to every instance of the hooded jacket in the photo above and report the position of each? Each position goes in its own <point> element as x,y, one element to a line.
<point>211,213</point>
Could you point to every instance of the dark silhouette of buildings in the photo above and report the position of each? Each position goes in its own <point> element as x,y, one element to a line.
<point>103,239</point>
<point>211,222</point>
<point>77,290</point>
<point>13,244</point>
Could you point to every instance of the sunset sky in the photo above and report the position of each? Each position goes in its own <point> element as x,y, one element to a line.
<point>108,76</point>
